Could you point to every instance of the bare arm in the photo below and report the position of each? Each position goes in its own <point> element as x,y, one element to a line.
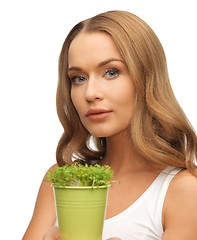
<point>44,215</point>
<point>180,208</point>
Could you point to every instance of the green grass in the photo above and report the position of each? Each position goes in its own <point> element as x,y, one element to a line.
<point>80,175</point>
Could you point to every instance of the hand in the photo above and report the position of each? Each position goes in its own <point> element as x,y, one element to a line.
<point>114,238</point>
<point>52,234</point>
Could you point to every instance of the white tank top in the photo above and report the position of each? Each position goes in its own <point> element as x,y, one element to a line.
<point>143,219</point>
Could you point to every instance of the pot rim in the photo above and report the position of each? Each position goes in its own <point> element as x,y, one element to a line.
<point>82,187</point>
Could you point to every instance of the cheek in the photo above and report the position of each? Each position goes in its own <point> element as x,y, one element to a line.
<point>126,101</point>
<point>125,95</point>
<point>77,103</point>
<point>75,100</point>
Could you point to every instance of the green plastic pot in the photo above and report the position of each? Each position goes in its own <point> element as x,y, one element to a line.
<point>81,211</point>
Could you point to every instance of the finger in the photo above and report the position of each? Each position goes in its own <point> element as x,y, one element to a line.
<point>52,234</point>
<point>114,238</point>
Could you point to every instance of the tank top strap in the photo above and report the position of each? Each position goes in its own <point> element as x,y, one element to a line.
<point>164,180</point>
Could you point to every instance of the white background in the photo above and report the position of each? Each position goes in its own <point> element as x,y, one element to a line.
<point>32,33</point>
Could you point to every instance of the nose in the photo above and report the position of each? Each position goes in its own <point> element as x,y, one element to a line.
<point>93,90</point>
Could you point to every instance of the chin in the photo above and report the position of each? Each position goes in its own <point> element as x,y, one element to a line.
<point>99,134</point>
<point>103,134</point>
<point>106,133</point>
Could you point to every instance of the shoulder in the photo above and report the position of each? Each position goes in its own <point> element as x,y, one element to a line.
<point>47,185</point>
<point>52,168</point>
<point>44,215</point>
<point>46,190</point>
<point>45,194</point>
<point>179,212</point>
<point>184,184</point>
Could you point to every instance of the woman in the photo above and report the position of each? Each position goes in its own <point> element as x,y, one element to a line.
<point>114,88</point>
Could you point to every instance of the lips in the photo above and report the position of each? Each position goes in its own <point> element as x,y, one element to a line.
<point>96,111</point>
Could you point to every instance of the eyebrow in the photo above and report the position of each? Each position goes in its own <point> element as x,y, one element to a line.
<point>99,65</point>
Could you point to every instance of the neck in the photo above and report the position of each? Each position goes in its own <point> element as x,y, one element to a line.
<point>121,154</point>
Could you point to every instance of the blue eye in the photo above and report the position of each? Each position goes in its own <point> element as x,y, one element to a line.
<point>78,79</point>
<point>111,73</point>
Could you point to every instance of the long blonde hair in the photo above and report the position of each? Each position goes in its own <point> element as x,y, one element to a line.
<point>160,131</point>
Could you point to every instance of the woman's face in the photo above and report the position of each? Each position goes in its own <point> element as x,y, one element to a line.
<point>102,90</point>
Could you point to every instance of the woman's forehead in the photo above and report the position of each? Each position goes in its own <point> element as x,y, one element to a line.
<point>94,46</point>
